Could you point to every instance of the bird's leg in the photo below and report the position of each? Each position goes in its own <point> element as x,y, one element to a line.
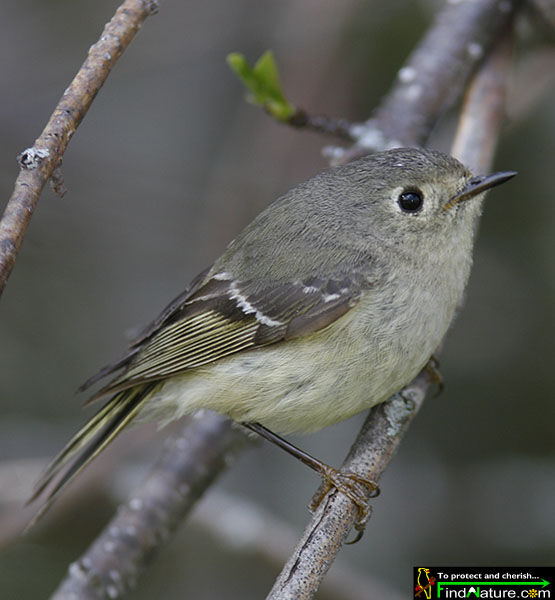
<point>352,485</point>
<point>432,369</point>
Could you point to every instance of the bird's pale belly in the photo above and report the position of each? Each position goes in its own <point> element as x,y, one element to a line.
<point>300,385</point>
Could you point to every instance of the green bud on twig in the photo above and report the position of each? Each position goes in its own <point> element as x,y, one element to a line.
<point>262,81</point>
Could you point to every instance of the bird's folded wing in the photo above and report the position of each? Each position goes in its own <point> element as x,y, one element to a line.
<point>223,316</point>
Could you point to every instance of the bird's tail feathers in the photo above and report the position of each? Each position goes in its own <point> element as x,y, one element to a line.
<point>89,441</point>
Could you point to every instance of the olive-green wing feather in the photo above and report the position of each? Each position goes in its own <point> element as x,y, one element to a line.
<point>223,317</point>
<point>215,319</point>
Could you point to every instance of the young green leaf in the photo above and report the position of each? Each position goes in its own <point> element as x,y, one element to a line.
<point>263,84</point>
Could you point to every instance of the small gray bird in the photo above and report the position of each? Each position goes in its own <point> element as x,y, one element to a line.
<point>330,301</point>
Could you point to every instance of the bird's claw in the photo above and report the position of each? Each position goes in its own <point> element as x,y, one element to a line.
<point>356,488</point>
<point>432,369</point>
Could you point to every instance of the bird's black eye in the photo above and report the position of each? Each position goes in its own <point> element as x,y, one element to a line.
<point>411,201</point>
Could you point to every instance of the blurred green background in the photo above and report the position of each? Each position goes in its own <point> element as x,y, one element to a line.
<point>170,164</point>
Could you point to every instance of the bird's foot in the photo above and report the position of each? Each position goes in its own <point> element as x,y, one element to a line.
<point>432,369</point>
<point>358,489</point>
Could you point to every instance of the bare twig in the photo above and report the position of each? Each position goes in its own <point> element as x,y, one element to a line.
<point>334,126</point>
<point>191,462</point>
<point>386,424</point>
<point>38,163</point>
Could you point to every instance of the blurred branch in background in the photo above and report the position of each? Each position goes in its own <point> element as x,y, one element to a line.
<point>387,423</point>
<point>483,111</point>
<point>189,465</point>
<point>42,161</point>
<point>434,76</point>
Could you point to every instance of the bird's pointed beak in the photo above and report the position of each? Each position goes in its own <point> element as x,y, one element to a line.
<point>480,184</point>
